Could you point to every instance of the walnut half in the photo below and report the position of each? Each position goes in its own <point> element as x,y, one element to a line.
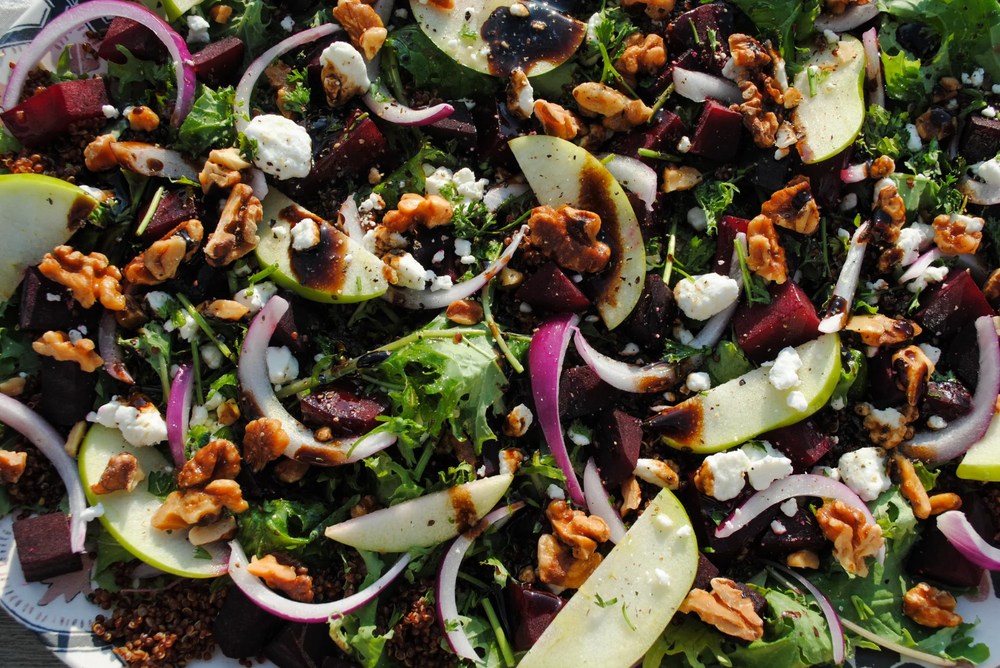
<point>90,277</point>
<point>931,607</point>
<point>122,473</point>
<point>236,233</point>
<point>363,26</point>
<point>284,577</point>
<point>215,461</point>
<point>577,529</point>
<point>264,441</point>
<point>569,236</point>
<point>163,258</point>
<point>12,466</point>
<point>853,538</point>
<point>59,347</point>
<point>727,608</point>
<point>766,257</point>
<point>203,506</point>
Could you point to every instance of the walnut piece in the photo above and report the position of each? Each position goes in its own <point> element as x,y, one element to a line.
<point>286,578</point>
<point>913,490</point>
<point>931,607</point>
<point>142,119</point>
<point>236,233</point>
<point>228,413</point>
<point>727,608</point>
<point>12,466</point>
<point>13,387</point>
<point>853,538</point>
<point>888,434</point>
<point>747,52</point>
<point>763,124</point>
<point>881,330</point>
<point>642,55</point>
<point>224,529</point>
<point>991,289</point>
<point>90,277</point>
<point>936,123</point>
<point>680,178</point>
<point>765,256</point>
<point>953,236</point>
<point>576,529</point>
<point>427,210</point>
<point>290,470</point>
<point>218,460</point>
<point>517,422</point>
<point>59,347</point>
<point>520,94</point>
<point>802,559</point>
<point>557,565</point>
<point>363,26</point>
<point>214,174</point>
<point>202,506</point>
<point>556,121</point>
<point>631,496</point>
<point>569,236</point>
<point>838,6</point>
<point>464,312</point>
<point>882,167</point>
<point>98,156</point>
<point>220,13</point>
<point>264,441</point>
<point>620,113</point>
<point>123,472</point>
<point>913,370</point>
<point>793,207</point>
<point>160,262</point>
<point>339,88</point>
<point>223,309</point>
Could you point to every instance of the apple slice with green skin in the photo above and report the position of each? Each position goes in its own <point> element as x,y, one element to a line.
<point>338,269</point>
<point>749,405</point>
<point>982,461</point>
<point>831,118</point>
<point>127,514</point>
<point>41,212</point>
<point>563,173</point>
<point>623,607</point>
<point>423,522</point>
<point>485,36</point>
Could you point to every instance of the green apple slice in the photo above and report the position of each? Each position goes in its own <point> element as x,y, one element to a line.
<point>982,461</point>
<point>40,213</point>
<point>423,522</point>
<point>623,607</point>
<point>338,269</point>
<point>831,118</point>
<point>735,412</point>
<point>563,173</point>
<point>127,514</point>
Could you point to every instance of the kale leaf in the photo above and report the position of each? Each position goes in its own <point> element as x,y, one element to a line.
<point>211,123</point>
<point>432,69</point>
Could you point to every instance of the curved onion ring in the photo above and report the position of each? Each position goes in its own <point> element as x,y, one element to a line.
<point>43,436</point>
<point>447,605</point>
<point>847,283</point>
<point>259,398</point>
<point>111,352</point>
<point>956,528</point>
<point>427,299</point>
<point>654,377</point>
<point>352,219</point>
<point>853,16</point>
<point>963,433</point>
<point>178,413</point>
<point>832,620</point>
<point>84,13</point>
<point>921,263</point>
<point>805,484</point>
<point>873,67</point>
<point>854,173</point>
<point>285,608</point>
<point>633,175</point>
<point>698,86</point>
<point>598,502</point>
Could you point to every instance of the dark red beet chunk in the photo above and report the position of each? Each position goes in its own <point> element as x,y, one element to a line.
<point>300,645</point>
<point>582,392</point>
<point>729,227</point>
<point>686,61</point>
<point>137,38</point>
<point>238,614</point>
<point>68,392</point>
<point>789,320</point>
<point>716,17</point>
<point>342,410</point>
<point>962,357</point>
<point>952,305</point>
<point>949,399</point>
<point>718,133</point>
<point>353,151</point>
<point>550,289</point>
<point>618,437</point>
<point>174,208</point>
<point>706,571</point>
<point>882,382</point>
<point>662,135</point>
<point>219,62</point>
<point>824,178</point>
<point>495,126</point>
<point>650,319</point>
<point>43,547</point>
<point>801,442</point>
<point>43,117</point>
<point>40,313</point>
<point>935,558</point>
<point>980,139</point>
<point>768,174</point>
<point>802,532</point>
<point>458,126</point>
<point>536,610</point>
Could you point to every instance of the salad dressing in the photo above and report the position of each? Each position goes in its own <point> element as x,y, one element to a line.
<point>321,267</point>
<point>544,35</point>
<point>683,423</point>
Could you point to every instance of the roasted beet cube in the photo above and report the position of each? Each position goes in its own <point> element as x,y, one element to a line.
<point>495,126</point>
<point>47,305</point>
<point>706,571</point>
<point>238,614</point>
<point>68,392</point>
<point>662,135</point>
<point>949,399</point>
<point>618,437</point>
<point>729,227</point>
<point>789,320</point>
<point>882,388</point>
<point>582,392</point>
<point>952,305</point>
<point>140,41</point>
<point>550,289</point>
<point>43,117</point>
<point>962,357</point>
<point>650,320</point>
<point>717,135</point>
<point>300,645</point>
<point>980,139</point>
<point>768,173</point>
<point>802,442</point>
<point>43,547</point>
<point>349,153</point>
<point>935,558</point>
<point>458,126</point>
<point>691,30</point>
<point>536,609</point>
<point>799,532</point>
<point>824,178</point>
<point>343,410</point>
<point>174,208</point>
<point>219,62</point>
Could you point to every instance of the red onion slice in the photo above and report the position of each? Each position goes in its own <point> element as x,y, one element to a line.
<point>873,67</point>
<point>352,219</point>
<point>853,16</point>
<point>111,352</point>
<point>295,611</point>
<point>920,264</point>
<point>388,108</point>
<point>699,86</point>
<point>258,398</point>
<point>428,299</point>
<point>839,309</point>
<point>546,354</point>
<point>986,194</point>
<point>247,82</point>
<point>258,183</point>
<point>633,175</point>
<point>85,12</point>
<point>963,433</point>
<point>902,650</point>
<point>598,502</point>
<point>716,326</point>
<point>832,620</point>
<point>43,436</point>
<point>854,173</point>
<point>178,413</point>
<point>447,604</point>
<point>654,377</point>
<point>805,484</point>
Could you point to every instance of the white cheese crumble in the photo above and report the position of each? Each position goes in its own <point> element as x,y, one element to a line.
<point>109,111</point>
<point>158,301</point>
<point>282,367</point>
<point>914,239</point>
<point>288,24</point>
<point>211,356</point>
<point>349,66</point>
<point>784,372</point>
<point>778,528</point>
<point>913,142</point>
<point>864,472</point>
<point>789,507</point>
<point>937,422</point>
<point>662,577</point>
<point>256,296</point>
<point>797,401</point>
<point>697,219</point>
<point>409,273</point>
<point>728,470</point>
<point>930,275</point>
<point>284,148</point>
<point>305,234</point>
<point>765,465</point>
<point>989,171</point>
<point>139,428</point>
<point>555,492</point>
<point>189,328</point>
<point>703,296</point>
<point>684,145</point>
<point>197,31</point>
<point>699,381</point>
<point>933,353</point>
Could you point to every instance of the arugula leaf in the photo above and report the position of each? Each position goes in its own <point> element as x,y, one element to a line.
<point>903,80</point>
<point>675,351</point>
<point>393,482</point>
<point>153,343</point>
<point>355,633</point>
<point>16,354</point>
<point>409,177</point>
<point>700,645</point>
<point>296,98</point>
<point>248,23</point>
<point>432,69</point>
<point>139,80</point>
<point>500,572</point>
<point>211,123</point>
<point>695,255</point>
<point>292,526</point>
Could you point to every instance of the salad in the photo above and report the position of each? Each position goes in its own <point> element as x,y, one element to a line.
<point>508,333</point>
